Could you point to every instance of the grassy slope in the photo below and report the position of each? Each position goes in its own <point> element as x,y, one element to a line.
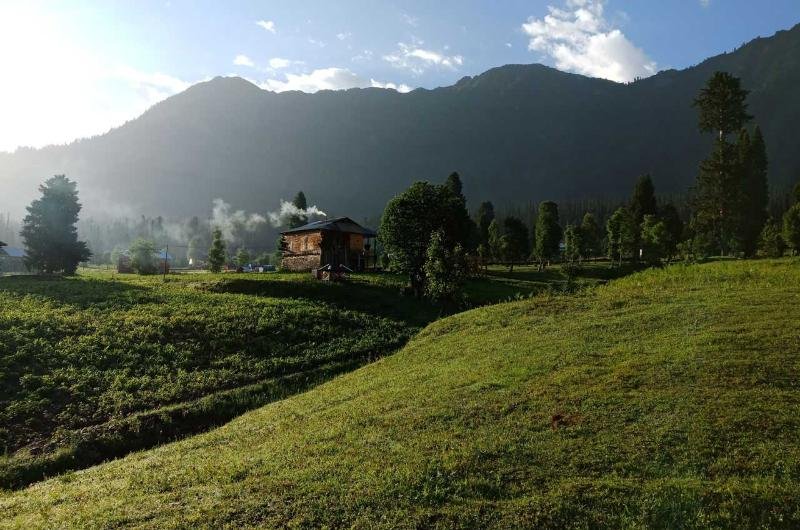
<point>678,392</point>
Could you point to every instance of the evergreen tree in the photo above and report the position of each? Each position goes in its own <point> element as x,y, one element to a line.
<point>674,225</point>
<point>591,237</point>
<point>722,109</point>
<point>516,241</point>
<point>621,229</point>
<point>754,188</point>
<point>453,183</point>
<point>242,257</point>
<point>791,228</point>
<point>548,233</point>
<point>496,242</point>
<point>300,218</point>
<point>49,230</point>
<point>216,254</point>
<point>573,243</point>
<point>643,201</point>
<point>485,218</point>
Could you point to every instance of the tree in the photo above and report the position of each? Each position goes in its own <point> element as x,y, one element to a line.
<point>655,239</point>
<point>453,183</point>
<point>216,254</point>
<point>771,243</point>
<point>674,225</point>
<point>496,241</point>
<point>791,228</point>
<point>300,218</point>
<point>573,243</point>
<point>722,105</point>
<point>621,230</point>
<point>548,233</point>
<point>444,270</point>
<point>516,241</point>
<point>409,220</point>
<point>754,192</point>
<point>721,109</point>
<point>643,201</point>
<point>49,231</point>
<point>143,256</point>
<point>591,236</point>
<point>485,218</point>
<point>242,257</point>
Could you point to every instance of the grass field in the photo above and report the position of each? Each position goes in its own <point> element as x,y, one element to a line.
<point>667,399</point>
<point>95,366</point>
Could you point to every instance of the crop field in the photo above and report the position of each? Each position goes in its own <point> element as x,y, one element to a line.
<point>96,366</point>
<point>668,399</point>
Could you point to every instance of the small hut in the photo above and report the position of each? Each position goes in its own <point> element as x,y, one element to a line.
<point>335,242</point>
<point>12,259</point>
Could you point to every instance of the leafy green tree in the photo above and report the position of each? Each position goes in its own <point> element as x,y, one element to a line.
<point>722,109</point>
<point>548,233</point>
<point>216,254</point>
<point>573,244</point>
<point>655,239</point>
<point>485,218</point>
<point>516,241</point>
<point>444,270</point>
<point>496,241</point>
<point>49,231</point>
<point>143,256</point>
<point>299,219</point>
<point>409,220</point>
<point>674,225</point>
<point>754,189</point>
<point>791,228</point>
<point>771,243</point>
<point>591,236</point>
<point>621,229</point>
<point>242,257</point>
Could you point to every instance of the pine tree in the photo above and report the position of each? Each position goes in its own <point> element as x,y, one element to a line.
<point>548,233</point>
<point>573,243</point>
<point>791,228</point>
<point>216,254</point>
<point>49,230</point>
<point>722,105</point>
<point>674,225</point>
<point>621,229</point>
<point>754,189</point>
<point>643,201</point>
<point>516,241</point>
<point>242,257</point>
<point>453,183</point>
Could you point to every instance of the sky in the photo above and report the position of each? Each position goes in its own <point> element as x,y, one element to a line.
<point>73,69</point>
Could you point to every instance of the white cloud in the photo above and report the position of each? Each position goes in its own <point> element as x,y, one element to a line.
<point>243,60</point>
<point>403,88</point>
<point>277,63</point>
<point>579,39</point>
<point>417,59</point>
<point>508,45</point>
<point>365,55</point>
<point>411,21</point>
<point>332,78</point>
<point>316,42</point>
<point>268,25</point>
<point>344,35</point>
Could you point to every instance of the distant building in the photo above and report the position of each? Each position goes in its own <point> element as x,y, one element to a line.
<point>12,259</point>
<point>335,242</point>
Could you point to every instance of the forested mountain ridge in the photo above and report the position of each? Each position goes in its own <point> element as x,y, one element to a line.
<point>516,133</point>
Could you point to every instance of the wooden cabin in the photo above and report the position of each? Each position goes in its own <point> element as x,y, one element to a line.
<point>333,242</point>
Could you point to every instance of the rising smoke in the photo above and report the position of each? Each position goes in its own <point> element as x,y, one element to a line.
<point>233,222</point>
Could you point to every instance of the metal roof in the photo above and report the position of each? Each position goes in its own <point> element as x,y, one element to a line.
<point>338,224</point>
<point>13,252</point>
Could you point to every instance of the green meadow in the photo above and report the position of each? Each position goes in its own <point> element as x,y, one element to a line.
<point>669,399</point>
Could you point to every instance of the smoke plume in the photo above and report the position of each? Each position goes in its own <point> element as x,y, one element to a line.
<point>287,210</point>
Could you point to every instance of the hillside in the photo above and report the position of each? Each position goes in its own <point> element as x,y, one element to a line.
<point>666,399</point>
<point>517,133</point>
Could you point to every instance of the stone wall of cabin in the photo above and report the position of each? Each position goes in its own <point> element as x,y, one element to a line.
<point>304,252</point>
<point>300,263</point>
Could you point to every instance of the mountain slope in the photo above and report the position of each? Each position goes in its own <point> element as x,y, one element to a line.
<point>667,399</point>
<point>516,133</point>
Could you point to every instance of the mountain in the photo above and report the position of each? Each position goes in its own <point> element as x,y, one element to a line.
<point>516,133</point>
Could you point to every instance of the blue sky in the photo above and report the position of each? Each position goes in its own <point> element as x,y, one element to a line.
<point>76,68</point>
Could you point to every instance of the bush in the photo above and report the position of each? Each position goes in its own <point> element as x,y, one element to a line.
<point>143,256</point>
